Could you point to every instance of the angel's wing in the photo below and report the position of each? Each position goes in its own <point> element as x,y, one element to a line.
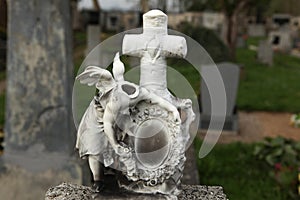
<point>93,74</point>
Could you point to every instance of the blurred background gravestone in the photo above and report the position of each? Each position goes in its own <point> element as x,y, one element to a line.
<point>281,40</point>
<point>39,132</point>
<point>93,39</point>
<point>265,52</point>
<point>256,30</point>
<point>230,73</point>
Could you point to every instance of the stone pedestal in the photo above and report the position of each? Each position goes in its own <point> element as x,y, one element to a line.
<point>189,192</point>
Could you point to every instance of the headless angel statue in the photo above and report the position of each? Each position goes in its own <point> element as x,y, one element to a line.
<point>96,136</point>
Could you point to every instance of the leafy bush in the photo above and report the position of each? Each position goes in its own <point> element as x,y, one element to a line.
<point>295,120</point>
<point>283,156</point>
<point>279,150</point>
<point>209,40</point>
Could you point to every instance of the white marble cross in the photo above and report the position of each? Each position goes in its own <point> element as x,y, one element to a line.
<point>153,46</point>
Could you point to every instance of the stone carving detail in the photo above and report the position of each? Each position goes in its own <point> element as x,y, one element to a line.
<point>137,129</point>
<point>71,191</point>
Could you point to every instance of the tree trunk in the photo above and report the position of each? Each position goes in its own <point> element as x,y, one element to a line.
<point>232,26</point>
<point>96,5</point>
<point>231,36</point>
<point>144,6</point>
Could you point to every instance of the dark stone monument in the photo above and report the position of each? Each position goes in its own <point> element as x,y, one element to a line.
<point>230,74</point>
<point>39,133</point>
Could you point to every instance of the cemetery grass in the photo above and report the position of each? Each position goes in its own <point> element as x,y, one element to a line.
<point>234,167</point>
<point>274,88</point>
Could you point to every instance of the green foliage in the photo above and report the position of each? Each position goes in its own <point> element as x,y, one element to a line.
<point>278,150</point>
<point>283,157</point>
<point>297,116</point>
<point>188,71</point>
<point>234,167</point>
<point>209,40</point>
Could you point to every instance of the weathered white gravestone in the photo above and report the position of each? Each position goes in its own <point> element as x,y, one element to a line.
<point>281,40</point>
<point>39,133</point>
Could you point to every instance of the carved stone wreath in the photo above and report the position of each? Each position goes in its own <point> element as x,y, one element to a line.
<point>157,148</point>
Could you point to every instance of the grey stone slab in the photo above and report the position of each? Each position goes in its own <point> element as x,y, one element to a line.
<point>281,40</point>
<point>39,128</point>
<point>76,192</point>
<point>265,52</point>
<point>39,77</point>
<point>93,36</point>
<point>230,73</point>
<point>93,39</point>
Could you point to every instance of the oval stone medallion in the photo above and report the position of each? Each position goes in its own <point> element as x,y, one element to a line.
<point>151,143</point>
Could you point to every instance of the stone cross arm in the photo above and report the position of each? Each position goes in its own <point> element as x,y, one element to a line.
<point>169,45</point>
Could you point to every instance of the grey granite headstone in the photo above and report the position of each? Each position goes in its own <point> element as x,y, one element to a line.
<point>93,36</point>
<point>39,132</point>
<point>265,52</point>
<point>230,73</point>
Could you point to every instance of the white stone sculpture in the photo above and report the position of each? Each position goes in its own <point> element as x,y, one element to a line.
<point>137,129</point>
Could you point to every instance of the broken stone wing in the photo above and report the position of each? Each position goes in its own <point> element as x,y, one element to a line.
<point>97,76</point>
